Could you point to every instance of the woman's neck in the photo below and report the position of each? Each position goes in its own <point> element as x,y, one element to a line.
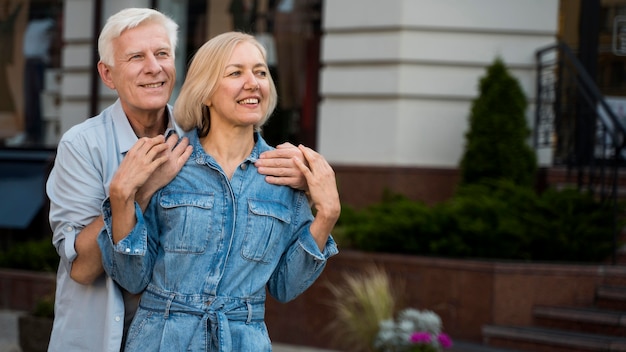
<point>229,148</point>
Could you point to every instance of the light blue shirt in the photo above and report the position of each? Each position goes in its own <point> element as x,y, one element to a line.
<point>206,250</point>
<point>87,317</point>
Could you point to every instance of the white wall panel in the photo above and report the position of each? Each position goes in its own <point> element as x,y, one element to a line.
<point>76,85</point>
<point>74,56</point>
<point>494,15</point>
<point>358,131</point>
<point>346,14</point>
<point>78,16</point>
<point>471,48</point>
<point>73,112</point>
<point>417,81</point>
<point>360,46</point>
<point>394,132</point>
<point>453,15</point>
<point>430,46</point>
<point>358,80</point>
<point>431,133</point>
<point>399,76</point>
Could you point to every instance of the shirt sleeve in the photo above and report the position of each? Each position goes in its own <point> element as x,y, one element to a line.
<point>75,189</point>
<point>130,261</point>
<point>303,261</point>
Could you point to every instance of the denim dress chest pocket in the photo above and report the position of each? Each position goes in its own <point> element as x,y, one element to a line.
<point>267,222</point>
<point>188,221</point>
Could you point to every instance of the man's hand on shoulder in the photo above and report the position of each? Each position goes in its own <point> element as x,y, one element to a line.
<point>279,167</point>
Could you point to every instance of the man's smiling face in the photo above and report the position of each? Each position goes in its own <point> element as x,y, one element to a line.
<point>144,71</point>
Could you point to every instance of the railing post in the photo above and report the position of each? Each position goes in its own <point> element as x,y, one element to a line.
<point>580,98</point>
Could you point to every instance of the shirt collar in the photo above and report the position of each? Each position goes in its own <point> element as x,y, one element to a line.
<point>126,137</point>
<point>202,157</point>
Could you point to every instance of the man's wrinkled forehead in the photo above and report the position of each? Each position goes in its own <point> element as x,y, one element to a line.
<point>135,39</point>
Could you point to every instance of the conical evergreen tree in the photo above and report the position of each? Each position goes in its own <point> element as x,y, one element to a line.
<point>496,142</point>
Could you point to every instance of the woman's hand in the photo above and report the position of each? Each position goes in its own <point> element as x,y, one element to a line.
<point>323,193</point>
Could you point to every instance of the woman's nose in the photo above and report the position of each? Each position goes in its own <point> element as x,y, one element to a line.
<point>251,82</point>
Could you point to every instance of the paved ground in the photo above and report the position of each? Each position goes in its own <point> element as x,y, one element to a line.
<point>8,332</point>
<point>277,347</point>
<point>459,346</point>
<point>9,336</point>
<point>9,339</point>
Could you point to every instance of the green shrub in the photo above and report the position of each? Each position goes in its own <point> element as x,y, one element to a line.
<point>37,255</point>
<point>579,226</point>
<point>487,226</point>
<point>494,219</point>
<point>397,224</point>
<point>44,307</point>
<point>495,212</point>
<point>496,142</point>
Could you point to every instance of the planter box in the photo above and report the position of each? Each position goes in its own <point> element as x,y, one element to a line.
<point>34,333</point>
<point>467,294</point>
<point>21,289</point>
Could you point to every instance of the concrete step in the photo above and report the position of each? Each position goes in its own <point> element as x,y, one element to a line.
<point>536,339</point>
<point>463,346</point>
<point>611,297</point>
<point>589,320</point>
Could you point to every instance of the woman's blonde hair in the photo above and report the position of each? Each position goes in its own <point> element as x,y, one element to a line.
<point>204,73</point>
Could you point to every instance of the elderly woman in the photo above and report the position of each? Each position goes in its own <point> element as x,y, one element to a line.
<point>212,240</point>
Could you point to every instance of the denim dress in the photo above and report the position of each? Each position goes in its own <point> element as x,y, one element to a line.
<point>206,250</point>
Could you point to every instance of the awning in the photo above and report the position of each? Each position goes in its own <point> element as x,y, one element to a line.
<point>23,174</point>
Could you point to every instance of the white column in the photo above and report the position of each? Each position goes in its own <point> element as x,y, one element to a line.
<point>399,76</point>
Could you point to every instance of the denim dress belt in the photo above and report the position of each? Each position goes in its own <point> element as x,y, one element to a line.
<point>216,312</point>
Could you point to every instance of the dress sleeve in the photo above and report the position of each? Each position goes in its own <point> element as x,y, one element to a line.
<point>130,261</point>
<point>303,262</point>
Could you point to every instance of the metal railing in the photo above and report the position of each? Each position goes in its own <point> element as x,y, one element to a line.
<point>576,124</point>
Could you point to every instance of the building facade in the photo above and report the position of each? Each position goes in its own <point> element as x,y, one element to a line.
<point>382,89</point>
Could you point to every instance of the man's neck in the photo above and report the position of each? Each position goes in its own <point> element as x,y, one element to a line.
<point>150,125</point>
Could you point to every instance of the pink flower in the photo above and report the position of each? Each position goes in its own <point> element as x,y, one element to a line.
<point>420,337</point>
<point>444,340</point>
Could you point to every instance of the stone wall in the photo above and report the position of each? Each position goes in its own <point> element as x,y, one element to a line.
<point>20,290</point>
<point>467,294</point>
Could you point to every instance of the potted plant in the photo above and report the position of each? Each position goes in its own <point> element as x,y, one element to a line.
<point>366,305</point>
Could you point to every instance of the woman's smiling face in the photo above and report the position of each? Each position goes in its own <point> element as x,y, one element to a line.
<point>242,94</point>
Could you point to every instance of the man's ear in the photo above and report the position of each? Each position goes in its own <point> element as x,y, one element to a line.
<point>105,74</point>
